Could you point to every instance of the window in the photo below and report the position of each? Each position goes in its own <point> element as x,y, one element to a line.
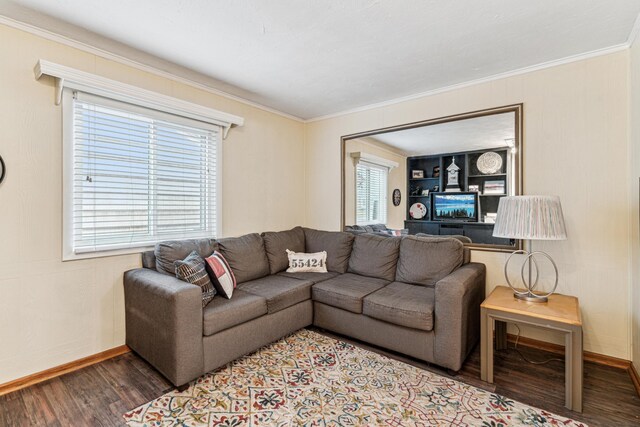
<point>135,176</point>
<point>371,193</point>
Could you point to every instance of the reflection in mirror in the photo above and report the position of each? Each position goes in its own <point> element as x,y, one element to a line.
<point>438,177</point>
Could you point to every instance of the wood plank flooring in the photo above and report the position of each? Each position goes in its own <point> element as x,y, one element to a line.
<point>98,395</point>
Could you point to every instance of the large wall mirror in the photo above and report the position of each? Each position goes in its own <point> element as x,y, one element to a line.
<point>437,177</point>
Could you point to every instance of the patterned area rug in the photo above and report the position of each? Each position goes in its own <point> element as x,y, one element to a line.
<point>313,380</point>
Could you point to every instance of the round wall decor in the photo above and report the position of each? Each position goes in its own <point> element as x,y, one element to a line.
<point>3,169</point>
<point>489,163</point>
<point>397,197</point>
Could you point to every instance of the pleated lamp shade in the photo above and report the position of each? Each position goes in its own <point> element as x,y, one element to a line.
<point>530,218</point>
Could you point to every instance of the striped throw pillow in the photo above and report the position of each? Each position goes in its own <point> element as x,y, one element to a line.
<point>193,270</point>
<point>221,274</point>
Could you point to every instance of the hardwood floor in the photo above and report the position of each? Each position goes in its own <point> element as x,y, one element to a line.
<point>98,395</point>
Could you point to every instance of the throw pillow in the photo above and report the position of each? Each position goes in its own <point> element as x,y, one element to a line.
<point>192,270</point>
<point>307,263</point>
<point>221,274</point>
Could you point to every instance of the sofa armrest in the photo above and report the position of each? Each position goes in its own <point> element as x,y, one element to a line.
<point>164,323</point>
<point>457,314</point>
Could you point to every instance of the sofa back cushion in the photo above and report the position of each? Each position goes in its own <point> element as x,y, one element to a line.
<point>149,260</point>
<point>463,239</point>
<point>246,256</point>
<point>378,227</point>
<point>424,261</point>
<point>375,256</point>
<point>170,251</point>
<point>276,244</point>
<point>337,244</point>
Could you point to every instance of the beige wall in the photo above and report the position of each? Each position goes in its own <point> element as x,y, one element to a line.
<point>634,213</point>
<point>575,142</point>
<point>397,179</point>
<point>576,146</point>
<point>53,312</point>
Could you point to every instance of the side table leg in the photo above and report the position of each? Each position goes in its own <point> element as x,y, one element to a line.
<point>486,346</point>
<point>573,369</point>
<point>501,335</point>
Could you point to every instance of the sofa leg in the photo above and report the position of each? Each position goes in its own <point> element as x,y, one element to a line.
<point>452,372</point>
<point>182,387</point>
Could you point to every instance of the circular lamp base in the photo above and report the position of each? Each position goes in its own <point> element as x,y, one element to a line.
<point>531,298</point>
<point>528,293</point>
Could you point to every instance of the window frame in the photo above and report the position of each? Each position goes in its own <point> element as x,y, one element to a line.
<point>385,170</point>
<point>68,251</point>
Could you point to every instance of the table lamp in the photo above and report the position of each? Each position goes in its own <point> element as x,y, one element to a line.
<point>530,218</point>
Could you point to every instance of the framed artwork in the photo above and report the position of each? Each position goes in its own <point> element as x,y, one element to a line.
<point>417,174</point>
<point>494,187</point>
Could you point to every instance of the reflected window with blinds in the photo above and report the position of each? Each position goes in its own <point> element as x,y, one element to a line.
<point>137,176</point>
<point>371,193</point>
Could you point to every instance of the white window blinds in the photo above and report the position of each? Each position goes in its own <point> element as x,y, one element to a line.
<point>138,176</point>
<point>371,193</point>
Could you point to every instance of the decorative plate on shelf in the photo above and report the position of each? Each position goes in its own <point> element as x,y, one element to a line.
<point>417,211</point>
<point>489,163</point>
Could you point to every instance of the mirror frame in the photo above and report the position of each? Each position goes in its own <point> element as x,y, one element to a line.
<point>519,157</point>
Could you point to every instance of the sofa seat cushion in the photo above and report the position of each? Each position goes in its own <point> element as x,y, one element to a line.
<point>402,304</point>
<point>222,313</point>
<point>279,291</point>
<point>313,277</point>
<point>375,256</point>
<point>346,291</point>
<point>246,256</point>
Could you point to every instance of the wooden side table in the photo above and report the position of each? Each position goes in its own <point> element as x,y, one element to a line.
<point>560,313</point>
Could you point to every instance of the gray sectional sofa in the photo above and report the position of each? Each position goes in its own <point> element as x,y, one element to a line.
<point>381,229</point>
<point>418,296</point>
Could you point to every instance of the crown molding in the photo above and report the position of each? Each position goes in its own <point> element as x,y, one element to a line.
<point>633,35</point>
<point>49,35</point>
<point>499,76</point>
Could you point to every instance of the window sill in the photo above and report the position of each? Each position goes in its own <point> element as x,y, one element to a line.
<point>72,256</point>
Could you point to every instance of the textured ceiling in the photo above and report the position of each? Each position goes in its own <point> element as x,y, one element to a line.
<point>477,133</point>
<point>311,58</point>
